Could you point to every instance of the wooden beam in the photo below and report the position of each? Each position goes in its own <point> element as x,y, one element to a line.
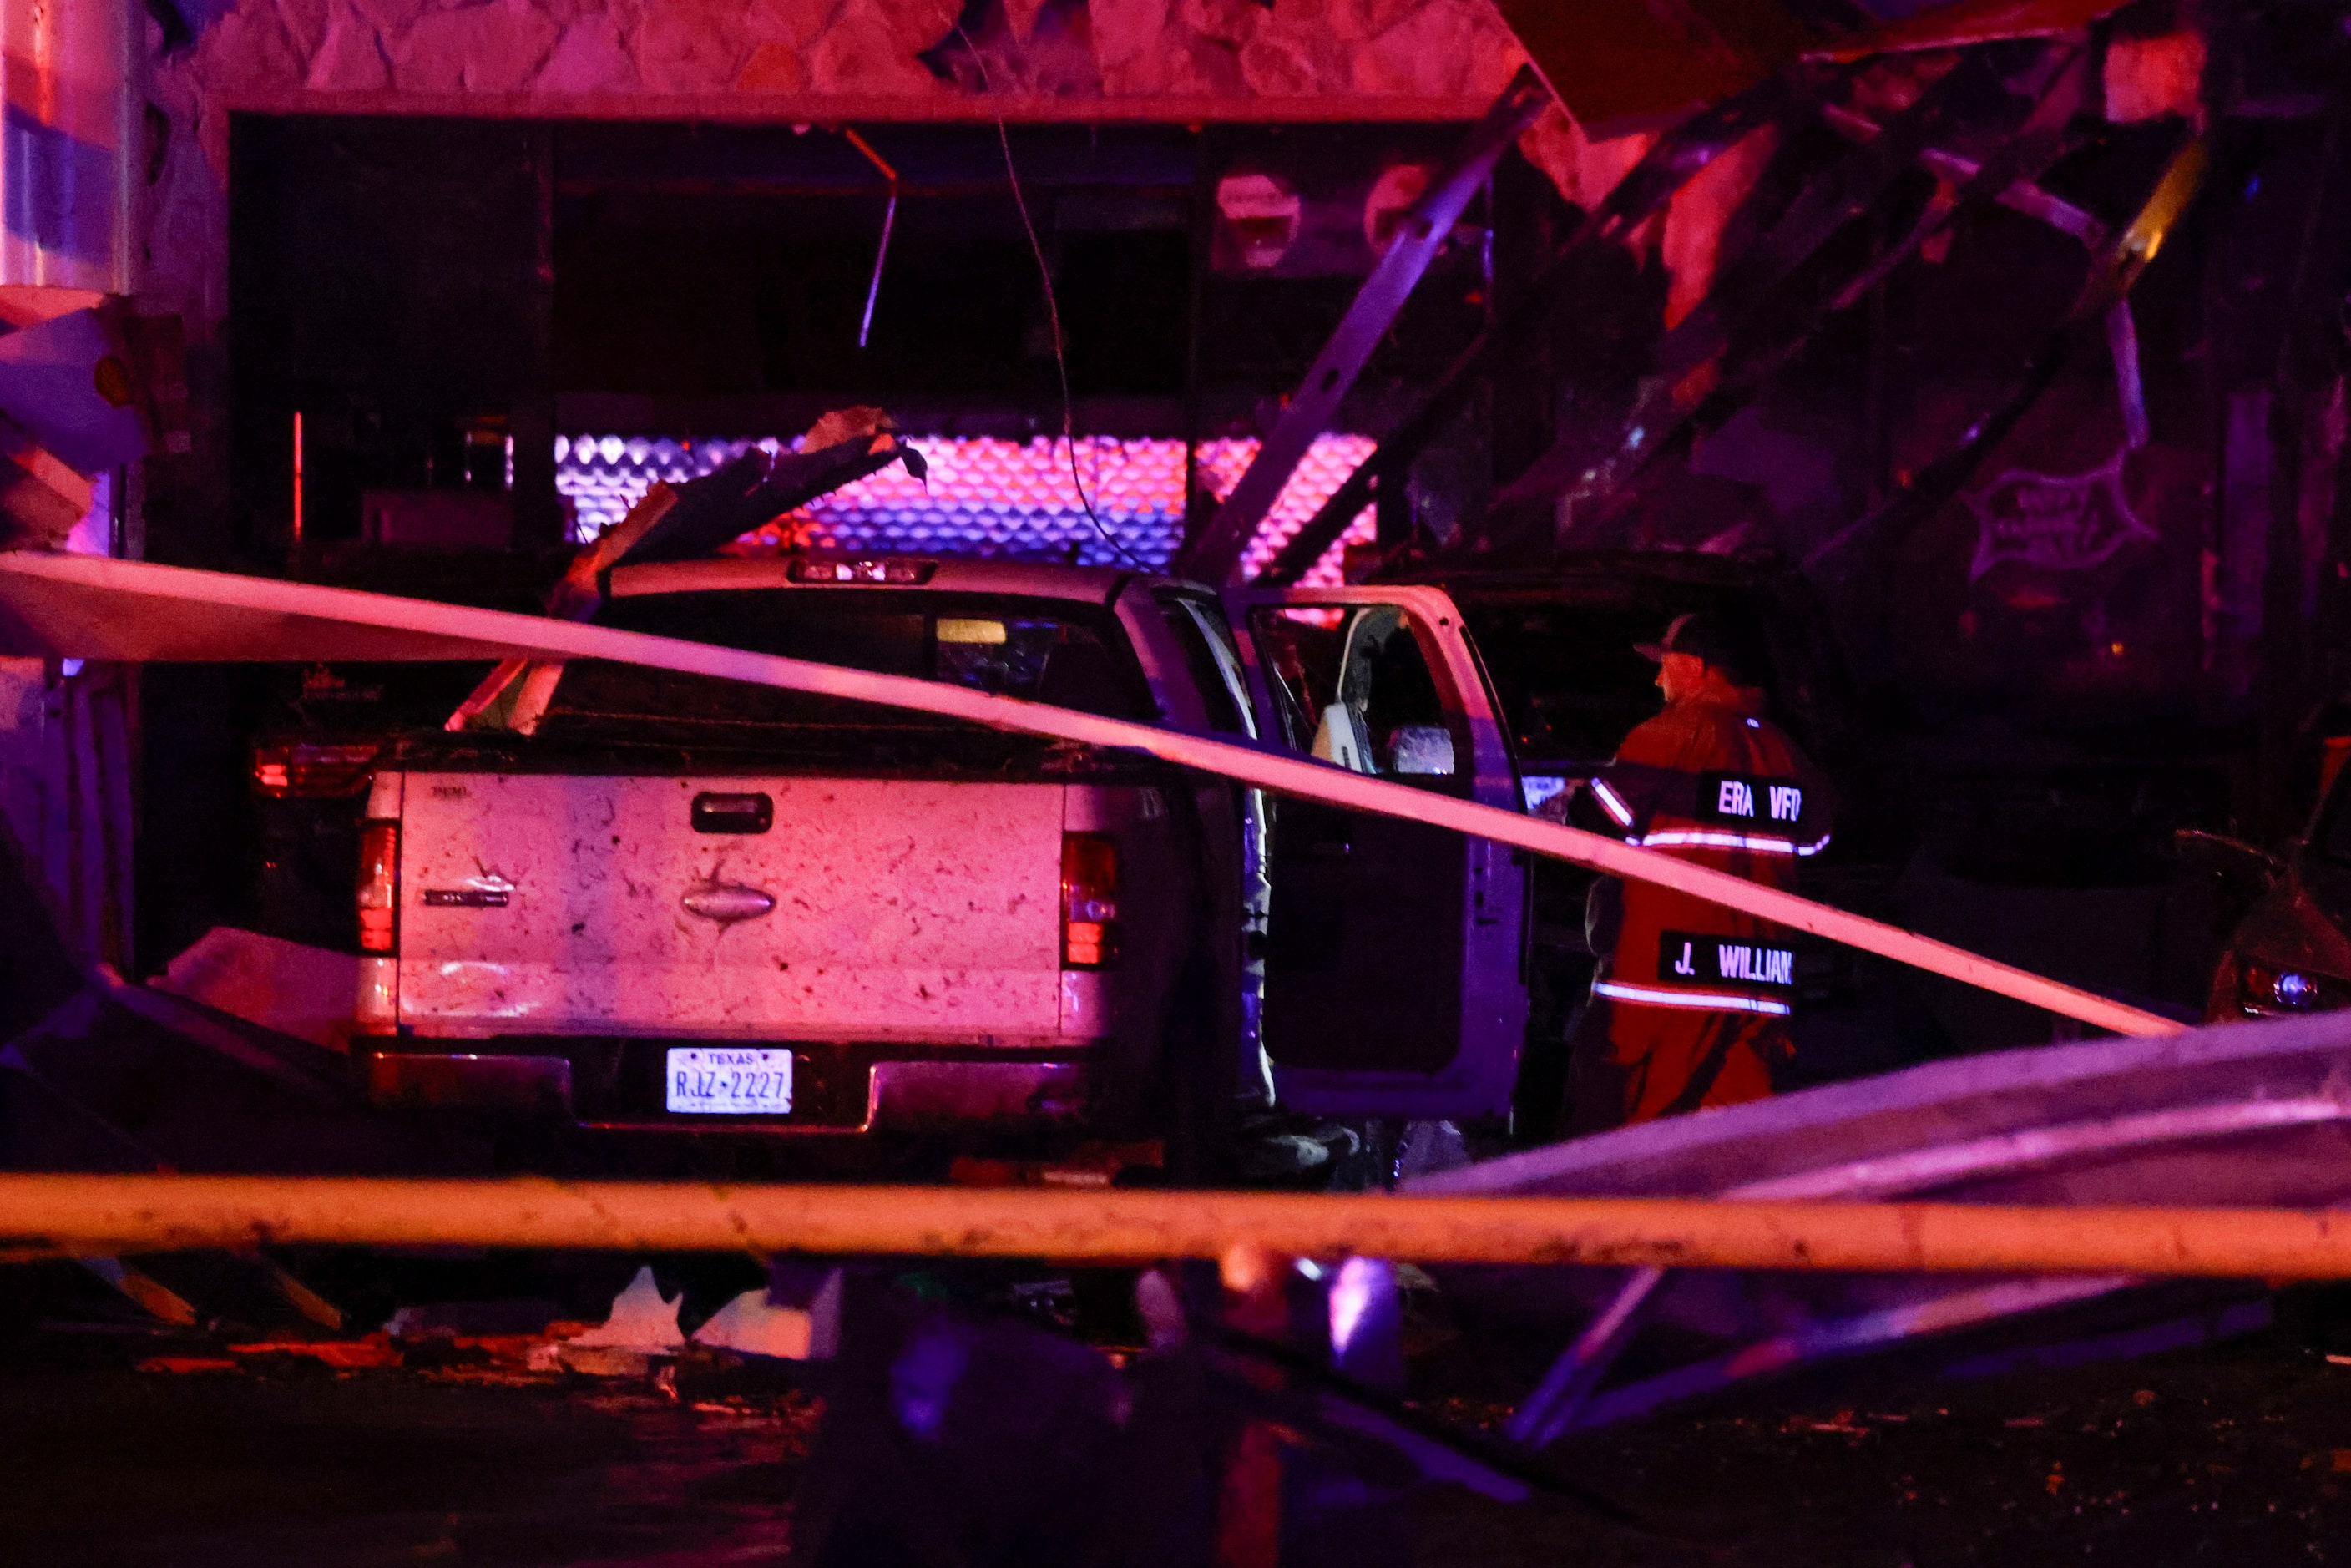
<point>47,1216</point>
<point>875,108</point>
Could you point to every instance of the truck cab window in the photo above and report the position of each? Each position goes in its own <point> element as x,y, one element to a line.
<point>1355,688</point>
<point>1068,655</point>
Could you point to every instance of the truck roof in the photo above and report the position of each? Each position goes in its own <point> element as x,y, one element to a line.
<point>947,574</point>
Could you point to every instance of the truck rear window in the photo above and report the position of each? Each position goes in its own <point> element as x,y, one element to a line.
<point>1041,650</point>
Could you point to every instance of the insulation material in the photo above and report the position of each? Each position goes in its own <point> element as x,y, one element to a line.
<point>1697,214</point>
<point>641,1320</point>
<point>750,1325</point>
<point>285,986</point>
<point>1583,170</point>
<point>985,495</point>
<point>2146,79</point>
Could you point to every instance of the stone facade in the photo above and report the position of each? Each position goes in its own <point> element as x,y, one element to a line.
<point>754,58</point>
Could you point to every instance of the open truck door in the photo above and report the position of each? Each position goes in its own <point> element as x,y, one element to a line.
<point>1393,974</point>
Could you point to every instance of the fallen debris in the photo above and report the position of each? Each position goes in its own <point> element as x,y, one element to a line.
<point>476,1320</point>
<point>1091,1165</point>
<point>186,1364</point>
<point>642,1320</point>
<point>594,1360</point>
<point>377,1350</point>
<point>749,1325</point>
<point>296,991</point>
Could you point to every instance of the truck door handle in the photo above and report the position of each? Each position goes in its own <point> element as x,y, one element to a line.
<point>747,813</point>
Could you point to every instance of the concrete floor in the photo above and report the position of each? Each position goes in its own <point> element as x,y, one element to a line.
<point>2240,1455</point>
<point>2235,1455</point>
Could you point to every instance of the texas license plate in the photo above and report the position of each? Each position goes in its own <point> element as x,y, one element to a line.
<point>711,1082</point>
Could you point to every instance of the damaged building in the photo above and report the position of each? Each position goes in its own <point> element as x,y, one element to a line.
<point>1509,602</point>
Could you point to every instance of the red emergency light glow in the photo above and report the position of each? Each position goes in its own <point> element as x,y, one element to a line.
<point>820,569</point>
<point>313,772</point>
<point>378,894</point>
<point>1089,900</point>
<point>298,479</point>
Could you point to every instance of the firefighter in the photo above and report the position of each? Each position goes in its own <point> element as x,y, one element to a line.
<point>1690,1001</point>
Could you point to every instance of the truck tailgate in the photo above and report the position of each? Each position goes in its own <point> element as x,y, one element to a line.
<point>561,903</point>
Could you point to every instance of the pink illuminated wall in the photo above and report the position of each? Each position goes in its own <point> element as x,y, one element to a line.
<point>985,495</point>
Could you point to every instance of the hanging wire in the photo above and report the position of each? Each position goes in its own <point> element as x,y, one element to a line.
<point>1053,310</point>
<point>889,221</point>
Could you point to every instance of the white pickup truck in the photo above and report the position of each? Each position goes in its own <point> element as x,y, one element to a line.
<point>686,903</point>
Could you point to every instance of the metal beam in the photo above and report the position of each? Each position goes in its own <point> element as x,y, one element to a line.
<point>1698,366</point>
<point>1588,462</point>
<point>1214,556</point>
<point>2112,272</point>
<point>1675,161</point>
<point>1558,1402</point>
<point>2022,196</point>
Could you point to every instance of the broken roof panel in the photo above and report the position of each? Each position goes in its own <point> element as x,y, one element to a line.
<point>1969,22</point>
<point>2231,1115</point>
<point>1620,67</point>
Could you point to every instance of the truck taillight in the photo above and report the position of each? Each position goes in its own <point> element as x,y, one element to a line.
<point>313,771</point>
<point>380,887</point>
<point>1089,900</point>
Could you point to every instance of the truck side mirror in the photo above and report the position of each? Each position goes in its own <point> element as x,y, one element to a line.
<point>2231,859</point>
<point>1420,749</point>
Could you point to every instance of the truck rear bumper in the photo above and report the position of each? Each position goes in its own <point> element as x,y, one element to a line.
<point>848,1090</point>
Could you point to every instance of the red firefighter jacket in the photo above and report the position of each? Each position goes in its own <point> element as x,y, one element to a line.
<point>1717,784</point>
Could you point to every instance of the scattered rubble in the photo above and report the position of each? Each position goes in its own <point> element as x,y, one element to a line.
<point>377,1350</point>
<point>642,1319</point>
<point>750,1325</point>
<point>529,1340</point>
<point>181,1364</point>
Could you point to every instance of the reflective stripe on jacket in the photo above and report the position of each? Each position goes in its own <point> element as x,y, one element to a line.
<point>1715,784</point>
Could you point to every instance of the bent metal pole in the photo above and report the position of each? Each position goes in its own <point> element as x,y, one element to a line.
<point>44,1216</point>
<point>89,607</point>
